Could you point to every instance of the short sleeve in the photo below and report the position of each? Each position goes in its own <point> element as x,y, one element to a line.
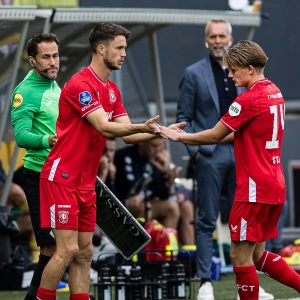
<point>240,112</point>
<point>119,109</point>
<point>82,96</point>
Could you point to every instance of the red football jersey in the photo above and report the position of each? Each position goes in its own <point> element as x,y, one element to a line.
<point>257,119</point>
<point>75,157</point>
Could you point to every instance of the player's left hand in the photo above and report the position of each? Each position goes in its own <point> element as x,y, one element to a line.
<point>177,126</point>
<point>168,133</point>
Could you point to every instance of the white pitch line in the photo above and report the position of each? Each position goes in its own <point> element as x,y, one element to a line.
<point>289,299</point>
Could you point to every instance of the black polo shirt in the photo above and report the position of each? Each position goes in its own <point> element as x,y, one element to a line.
<point>225,86</point>
<point>130,167</point>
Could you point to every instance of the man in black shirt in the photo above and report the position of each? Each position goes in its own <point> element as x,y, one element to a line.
<point>143,176</point>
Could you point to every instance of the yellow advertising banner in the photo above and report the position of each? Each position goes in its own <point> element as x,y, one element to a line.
<point>42,3</point>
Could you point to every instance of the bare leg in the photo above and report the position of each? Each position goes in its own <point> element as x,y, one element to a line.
<point>79,275</point>
<point>167,212</point>
<point>16,197</point>
<point>66,250</point>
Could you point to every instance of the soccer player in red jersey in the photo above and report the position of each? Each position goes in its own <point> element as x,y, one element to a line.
<point>90,110</point>
<point>255,121</point>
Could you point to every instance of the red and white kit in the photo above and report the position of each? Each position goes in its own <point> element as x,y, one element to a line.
<point>257,119</point>
<point>73,161</point>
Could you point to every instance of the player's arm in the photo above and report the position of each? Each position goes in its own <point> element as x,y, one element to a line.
<point>108,129</point>
<point>228,139</point>
<point>21,118</point>
<point>142,137</point>
<point>134,138</point>
<point>207,137</point>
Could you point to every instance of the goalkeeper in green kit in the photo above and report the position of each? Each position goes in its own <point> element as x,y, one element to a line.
<point>34,111</point>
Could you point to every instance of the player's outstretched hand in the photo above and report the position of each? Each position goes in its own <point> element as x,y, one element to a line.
<point>151,126</point>
<point>177,126</point>
<point>171,134</point>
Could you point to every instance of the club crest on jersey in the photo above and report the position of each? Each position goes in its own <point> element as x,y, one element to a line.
<point>235,109</point>
<point>63,216</point>
<point>18,100</point>
<point>112,95</point>
<point>85,98</point>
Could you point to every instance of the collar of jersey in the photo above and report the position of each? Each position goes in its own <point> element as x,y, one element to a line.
<point>39,78</point>
<point>95,75</point>
<point>258,81</point>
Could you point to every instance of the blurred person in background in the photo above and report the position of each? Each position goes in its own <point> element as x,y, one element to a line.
<point>205,94</point>
<point>34,113</point>
<point>139,182</point>
<point>16,202</point>
<point>107,169</point>
<point>144,177</point>
<point>16,196</point>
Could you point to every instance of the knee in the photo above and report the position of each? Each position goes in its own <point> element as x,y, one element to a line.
<point>233,257</point>
<point>187,208</point>
<point>85,253</point>
<point>137,210</point>
<point>257,254</point>
<point>173,208</point>
<point>67,252</point>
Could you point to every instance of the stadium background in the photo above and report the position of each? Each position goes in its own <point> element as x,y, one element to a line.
<point>178,46</point>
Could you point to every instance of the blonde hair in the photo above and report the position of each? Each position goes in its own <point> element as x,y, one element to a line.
<point>244,54</point>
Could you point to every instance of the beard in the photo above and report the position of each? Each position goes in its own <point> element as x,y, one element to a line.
<point>110,64</point>
<point>217,54</point>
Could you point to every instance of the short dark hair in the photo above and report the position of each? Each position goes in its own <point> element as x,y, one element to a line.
<point>32,44</point>
<point>105,33</point>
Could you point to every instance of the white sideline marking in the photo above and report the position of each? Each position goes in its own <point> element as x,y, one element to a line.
<point>289,299</point>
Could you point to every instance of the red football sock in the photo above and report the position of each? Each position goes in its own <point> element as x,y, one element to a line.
<point>277,268</point>
<point>247,282</point>
<point>79,297</point>
<point>45,294</point>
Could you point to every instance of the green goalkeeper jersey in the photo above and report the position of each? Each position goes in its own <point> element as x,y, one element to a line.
<point>34,111</point>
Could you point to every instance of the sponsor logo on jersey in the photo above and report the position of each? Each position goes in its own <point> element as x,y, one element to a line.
<point>89,105</point>
<point>233,228</point>
<point>85,98</point>
<point>64,175</point>
<point>112,95</point>
<point>18,99</point>
<point>109,115</point>
<point>276,258</point>
<point>275,96</point>
<point>63,217</point>
<point>64,205</point>
<point>235,109</point>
